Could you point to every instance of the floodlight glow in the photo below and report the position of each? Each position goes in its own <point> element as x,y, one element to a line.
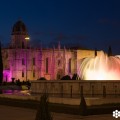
<point>27,38</point>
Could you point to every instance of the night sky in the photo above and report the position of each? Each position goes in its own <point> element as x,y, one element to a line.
<point>84,23</point>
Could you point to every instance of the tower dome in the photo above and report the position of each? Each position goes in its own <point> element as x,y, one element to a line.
<point>19,36</point>
<point>19,28</point>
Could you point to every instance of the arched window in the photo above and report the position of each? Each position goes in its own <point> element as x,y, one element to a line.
<point>69,65</point>
<point>22,73</point>
<point>46,65</point>
<point>59,62</point>
<point>33,73</point>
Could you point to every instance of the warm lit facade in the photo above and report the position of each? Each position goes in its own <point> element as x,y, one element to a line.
<point>26,63</point>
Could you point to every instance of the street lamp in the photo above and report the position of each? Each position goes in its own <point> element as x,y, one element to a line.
<point>27,38</point>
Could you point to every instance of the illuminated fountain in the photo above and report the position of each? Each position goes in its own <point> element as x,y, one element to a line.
<point>101,67</point>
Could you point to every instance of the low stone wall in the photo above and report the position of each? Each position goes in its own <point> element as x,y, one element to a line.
<point>68,92</point>
<point>73,88</point>
<point>69,101</point>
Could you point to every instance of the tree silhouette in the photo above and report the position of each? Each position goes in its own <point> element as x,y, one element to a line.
<point>1,66</point>
<point>95,52</point>
<point>109,51</point>
<point>75,76</point>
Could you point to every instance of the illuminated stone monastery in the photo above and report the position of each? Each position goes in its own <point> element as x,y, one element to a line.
<point>27,63</point>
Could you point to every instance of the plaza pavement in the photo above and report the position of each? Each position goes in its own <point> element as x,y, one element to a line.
<point>15,113</point>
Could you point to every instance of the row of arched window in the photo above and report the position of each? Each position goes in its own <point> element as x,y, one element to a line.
<point>33,73</point>
<point>33,61</point>
<point>59,64</point>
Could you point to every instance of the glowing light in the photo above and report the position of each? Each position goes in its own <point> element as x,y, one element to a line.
<point>100,67</point>
<point>27,38</point>
<point>7,75</point>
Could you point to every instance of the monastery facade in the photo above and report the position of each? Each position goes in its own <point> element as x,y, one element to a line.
<point>22,62</point>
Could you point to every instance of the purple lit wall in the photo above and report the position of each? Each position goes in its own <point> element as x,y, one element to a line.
<point>7,76</point>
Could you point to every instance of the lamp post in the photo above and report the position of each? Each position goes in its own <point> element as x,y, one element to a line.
<point>27,39</point>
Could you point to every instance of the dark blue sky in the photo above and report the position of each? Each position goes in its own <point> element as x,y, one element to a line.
<point>87,23</point>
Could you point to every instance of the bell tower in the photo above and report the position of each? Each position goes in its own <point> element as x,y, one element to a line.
<point>19,36</point>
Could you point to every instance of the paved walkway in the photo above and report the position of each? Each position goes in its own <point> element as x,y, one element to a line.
<point>15,113</point>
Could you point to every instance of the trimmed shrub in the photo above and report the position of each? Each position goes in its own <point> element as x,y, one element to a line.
<point>42,78</point>
<point>18,82</point>
<point>75,76</point>
<point>66,77</point>
<point>83,106</point>
<point>13,80</point>
<point>43,112</point>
